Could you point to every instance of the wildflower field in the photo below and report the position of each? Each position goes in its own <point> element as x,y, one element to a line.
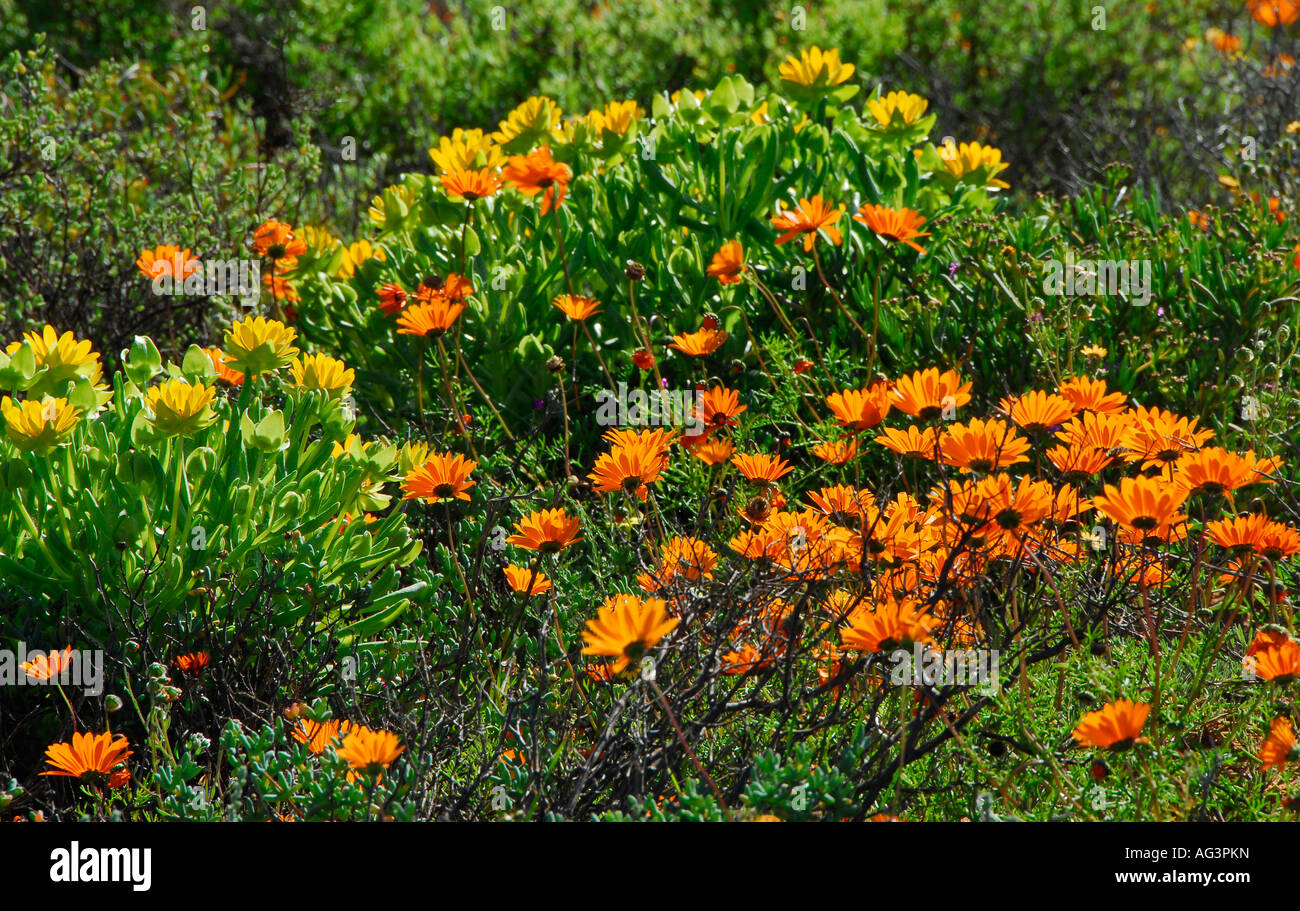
<point>729,411</point>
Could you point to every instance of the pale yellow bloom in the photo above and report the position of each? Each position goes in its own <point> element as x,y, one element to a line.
<point>904,107</point>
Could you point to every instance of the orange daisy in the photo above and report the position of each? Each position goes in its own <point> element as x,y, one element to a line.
<point>698,344</point>
<point>861,409</point>
<point>441,477</point>
<point>548,531</point>
<point>838,452</point>
<point>1216,470</point>
<point>192,663</point>
<point>369,752</point>
<point>714,452</point>
<point>1091,395</point>
<point>522,579</point>
<point>728,263</point>
<point>48,667</point>
<point>982,446</point>
<point>890,625</point>
<point>1279,747</point>
<point>167,259</point>
<point>432,318</point>
<point>1037,411</point>
<point>630,467</point>
<point>392,298</point>
<point>276,240</point>
<point>321,735</point>
<point>1279,662</point>
<point>577,307</point>
<point>220,361</point>
<point>927,394</point>
<point>911,443</point>
<point>536,173</point>
<point>470,185</point>
<point>626,628</point>
<point>807,218</point>
<point>93,758</point>
<point>1115,726</point>
<point>762,468</point>
<point>719,407</point>
<point>1142,503</point>
<point>894,224</point>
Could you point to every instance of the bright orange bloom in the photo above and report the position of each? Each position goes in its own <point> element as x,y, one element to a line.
<point>659,439</point>
<point>643,358</point>
<point>432,318</point>
<point>167,259</point>
<point>220,361</point>
<point>471,185</point>
<point>1256,532</point>
<point>682,557</point>
<point>1279,747</point>
<point>744,660</point>
<point>577,307</point>
<point>48,667</point>
<point>91,757</point>
<point>842,503</point>
<point>536,173</point>
<point>276,240</point>
<point>982,446</point>
<point>838,452</point>
<point>1078,463</point>
<point>1268,637</point>
<point>1115,726</point>
<point>1015,507</point>
<point>927,394</point>
<point>630,467</point>
<point>1155,438</point>
<point>728,263</point>
<point>890,625</point>
<point>626,628</point>
<point>519,577</point>
<point>549,531</point>
<point>392,298</point>
<point>894,224</point>
<point>1037,411</point>
<point>1142,503</point>
<point>719,407</point>
<point>762,468</point>
<point>807,218</point>
<point>320,735</point>
<point>1102,431</point>
<point>1272,13</point>
<point>1091,395</point>
<point>1279,663</point>
<point>370,752</point>
<point>441,477</point>
<point>861,409</point>
<point>714,452</point>
<point>454,287</point>
<point>698,344</point>
<point>1216,470</point>
<point>192,663</point>
<point>912,442</point>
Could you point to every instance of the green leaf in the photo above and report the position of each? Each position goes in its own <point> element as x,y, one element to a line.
<point>197,365</point>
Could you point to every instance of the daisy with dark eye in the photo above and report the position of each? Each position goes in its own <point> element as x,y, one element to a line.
<point>441,477</point>
<point>626,628</point>
<point>1115,726</point>
<point>548,531</point>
